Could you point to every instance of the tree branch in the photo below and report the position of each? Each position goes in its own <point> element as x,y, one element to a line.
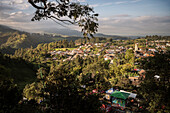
<point>38,7</point>
<point>62,20</point>
<point>77,14</point>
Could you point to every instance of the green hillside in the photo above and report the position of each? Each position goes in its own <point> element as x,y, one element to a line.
<point>11,40</point>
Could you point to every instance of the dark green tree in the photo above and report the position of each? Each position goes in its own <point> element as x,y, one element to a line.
<point>155,91</point>
<point>9,95</point>
<point>63,91</point>
<point>72,44</point>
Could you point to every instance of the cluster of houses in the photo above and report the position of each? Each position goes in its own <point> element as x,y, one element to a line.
<point>110,52</point>
<point>160,43</point>
<point>142,52</point>
<point>83,51</point>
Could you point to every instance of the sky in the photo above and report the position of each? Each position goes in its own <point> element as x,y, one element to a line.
<point>116,17</point>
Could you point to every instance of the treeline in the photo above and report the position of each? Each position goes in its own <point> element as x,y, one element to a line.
<point>156,37</point>
<point>93,40</point>
<point>41,52</point>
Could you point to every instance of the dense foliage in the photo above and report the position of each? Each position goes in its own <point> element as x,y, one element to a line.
<point>67,86</point>
<point>155,91</point>
<point>20,71</point>
<point>156,37</point>
<point>71,82</point>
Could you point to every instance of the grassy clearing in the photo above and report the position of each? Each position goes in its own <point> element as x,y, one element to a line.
<point>64,49</point>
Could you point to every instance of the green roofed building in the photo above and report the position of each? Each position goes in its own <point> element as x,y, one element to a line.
<point>119,99</point>
<point>120,95</point>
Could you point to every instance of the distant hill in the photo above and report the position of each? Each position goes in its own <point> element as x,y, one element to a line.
<point>70,32</point>
<point>6,29</point>
<point>12,39</point>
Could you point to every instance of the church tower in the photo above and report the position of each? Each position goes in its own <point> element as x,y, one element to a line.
<point>136,47</point>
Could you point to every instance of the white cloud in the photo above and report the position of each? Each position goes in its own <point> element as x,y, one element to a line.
<point>20,17</point>
<point>142,25</point>
<point>15,18</point>
<point>124,2</point>
<point>3,15</point>
<point>121,2</point>
<point>18,1</point>
<point>101,5</point>
<point>78,0</point>
<point>104,19</point>
<point>15,4</point>
<point>123,24</point>
<point>22,21</point>
<point>121,16</point>
<point>106,4</point>
<point>94,5</point>
<point>116,24</point>
<point>133,1</point>
<point>112,3</point>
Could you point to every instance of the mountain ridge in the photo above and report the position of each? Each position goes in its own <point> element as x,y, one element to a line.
<point>70,32</point>
<point>12,39</point>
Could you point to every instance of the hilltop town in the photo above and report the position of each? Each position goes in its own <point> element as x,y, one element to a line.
<point>116,73</point>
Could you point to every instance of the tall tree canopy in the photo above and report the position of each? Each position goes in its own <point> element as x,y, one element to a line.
<point>155,91</point>
<point>66,12</point>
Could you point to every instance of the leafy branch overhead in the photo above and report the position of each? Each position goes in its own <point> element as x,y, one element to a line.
<point>67,12</point>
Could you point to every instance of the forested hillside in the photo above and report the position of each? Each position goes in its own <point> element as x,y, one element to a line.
<point>60,69</point>
<point>11,40</point>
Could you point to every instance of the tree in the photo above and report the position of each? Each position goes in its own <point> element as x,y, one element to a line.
<point>33,91</point>
<point>9,95</point>
<point>82,15</point>
<point>99,73</point>
<point>109,40</point>
<point>129,56</point>
<point>72,44</point>
<point>156,91</point>
<point>62,92</point>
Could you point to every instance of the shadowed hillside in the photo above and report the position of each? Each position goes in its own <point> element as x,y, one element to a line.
<point>17,69</point>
